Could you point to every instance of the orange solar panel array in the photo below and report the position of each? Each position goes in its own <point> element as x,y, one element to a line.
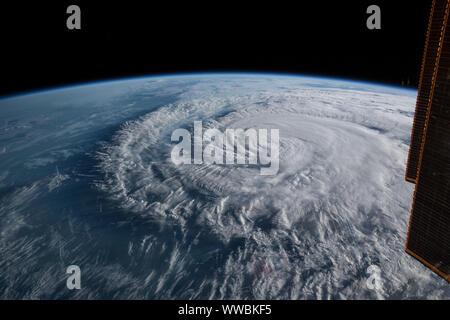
<point>428,166</point>
<point>426,75</point>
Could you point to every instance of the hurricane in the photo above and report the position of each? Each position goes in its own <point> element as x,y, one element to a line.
<point>87,179</point>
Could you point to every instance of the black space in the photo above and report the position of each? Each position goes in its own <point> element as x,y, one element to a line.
<point>127,38</point>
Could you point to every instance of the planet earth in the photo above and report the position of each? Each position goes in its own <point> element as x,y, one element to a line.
<point>86,179</point>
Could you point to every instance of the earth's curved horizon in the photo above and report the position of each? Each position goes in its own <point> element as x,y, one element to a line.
<point>199,74</point>
<point>86,179</point>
